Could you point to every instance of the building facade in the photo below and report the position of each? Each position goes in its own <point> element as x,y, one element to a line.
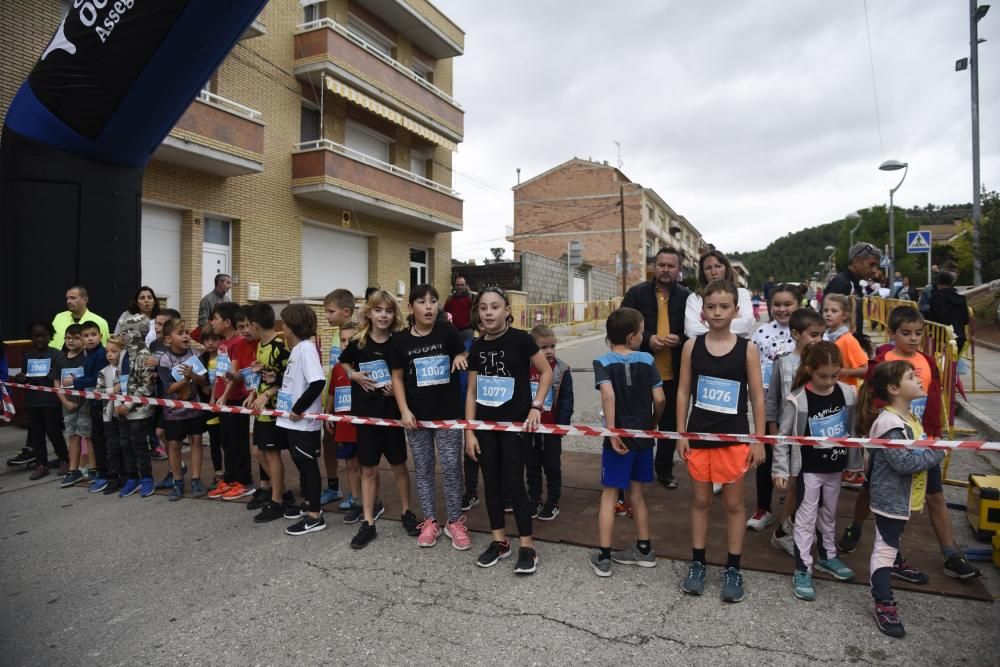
<point>579,200</point>
<point>317,156</point>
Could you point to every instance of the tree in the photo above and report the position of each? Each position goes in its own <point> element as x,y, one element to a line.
<point>497,256</point>
<point>989,240</point>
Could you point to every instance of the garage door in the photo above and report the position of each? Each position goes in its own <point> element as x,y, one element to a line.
<point>161,252</point>
<point>332,259</point>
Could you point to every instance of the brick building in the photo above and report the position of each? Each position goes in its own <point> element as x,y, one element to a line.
<point>317,156</point>
<point>579,200</point>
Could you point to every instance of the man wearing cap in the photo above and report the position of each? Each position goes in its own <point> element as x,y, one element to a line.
<point>862,263</point>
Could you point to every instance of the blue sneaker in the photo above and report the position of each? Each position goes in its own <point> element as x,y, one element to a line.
<point>167,482</point>
<point>802,586</point>
<point>694,582</point>
<point>836,569</point>
<point>178,491</point>
<point>148,487</point>
<point>131,486</point>
<point>97,485</point>
<point>732,585</point>
<point>347,503</point>
<point>329,495</point>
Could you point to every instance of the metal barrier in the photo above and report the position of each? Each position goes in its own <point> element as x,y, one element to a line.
<point>573,313</point>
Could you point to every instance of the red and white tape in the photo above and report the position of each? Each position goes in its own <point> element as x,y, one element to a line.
<point>551,429</point>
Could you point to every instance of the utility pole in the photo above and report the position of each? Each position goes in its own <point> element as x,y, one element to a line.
<point>975,14</point>
<point>621,207</point>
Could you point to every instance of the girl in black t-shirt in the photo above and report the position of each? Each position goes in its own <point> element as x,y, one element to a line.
<point>425,360</point>
<point>500,390</point>
<point>366,361</point>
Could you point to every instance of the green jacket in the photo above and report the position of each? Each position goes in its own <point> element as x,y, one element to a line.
<point>65,318</point>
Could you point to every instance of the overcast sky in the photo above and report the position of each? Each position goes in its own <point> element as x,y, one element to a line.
<point>757,118</point>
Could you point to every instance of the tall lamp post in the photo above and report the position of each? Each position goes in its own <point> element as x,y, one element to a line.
<point>856,219</point>
<point>893,165</point>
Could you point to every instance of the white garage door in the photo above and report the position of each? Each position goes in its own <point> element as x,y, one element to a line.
<point>161,252</point>
<point>332,259</point>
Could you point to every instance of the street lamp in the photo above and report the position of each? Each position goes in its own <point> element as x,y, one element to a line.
<point>893,165</point>
<point>976,13</point>
<point>856,219</point>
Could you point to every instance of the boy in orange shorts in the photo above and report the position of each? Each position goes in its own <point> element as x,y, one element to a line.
<point>721,372</point>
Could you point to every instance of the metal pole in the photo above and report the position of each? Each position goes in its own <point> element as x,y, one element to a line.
<point>977,213</point>
<point>621,206</point>
<point>892,236</point>
<point>929,262</point>
<point>569,274</point>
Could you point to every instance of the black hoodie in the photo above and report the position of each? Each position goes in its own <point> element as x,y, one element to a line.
<point>950,307</point>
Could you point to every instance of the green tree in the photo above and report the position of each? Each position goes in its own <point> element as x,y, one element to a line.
<point>989,240</point>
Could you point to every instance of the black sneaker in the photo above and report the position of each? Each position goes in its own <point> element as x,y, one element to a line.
<point>903,570</point>
<point>493,553</point>
<point>527,561</point>
<point>113,487</point>
<point>260,498</point>
<point>959,567</point>
<point>548,512</point>
<point>536,507</point>
<point>469,501</point>
<point>308,524</point>
<point>366,534</point>
<point>667,479</point>
<point>887,619</point>
<point>379,510</point>
<point>410,524</point>
<point>24,457</point>
<point>270,512</point>
<point>849,540</point>
<point>294,511</point>
<point>354,514</point>
<point>74,477</point>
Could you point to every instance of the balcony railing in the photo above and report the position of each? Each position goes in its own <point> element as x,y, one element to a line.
<point>326,144</point>
<point>230,106</point>
<point>327,22</point>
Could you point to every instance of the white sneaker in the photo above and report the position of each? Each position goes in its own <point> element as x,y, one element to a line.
<point>760,520</point>
<point>786,543</point>
<point>716,488</point>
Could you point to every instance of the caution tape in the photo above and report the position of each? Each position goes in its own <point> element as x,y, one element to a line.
<point>547,429</point>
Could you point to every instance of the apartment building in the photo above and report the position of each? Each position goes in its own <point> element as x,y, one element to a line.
<point>579,200</point>
<point>317,156</point>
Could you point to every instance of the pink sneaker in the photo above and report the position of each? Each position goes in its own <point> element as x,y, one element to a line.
<point>459,534</point>
<point>429,533</point>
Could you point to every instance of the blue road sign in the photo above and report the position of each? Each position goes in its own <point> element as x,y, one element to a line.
<point>918,242</point>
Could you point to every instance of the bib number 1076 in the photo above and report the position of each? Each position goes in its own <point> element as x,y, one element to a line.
<point>717,395</point>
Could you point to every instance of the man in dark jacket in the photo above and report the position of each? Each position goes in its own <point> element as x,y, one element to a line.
<point>862,263</point>
<point>949,307</point>
<point>662,301</point>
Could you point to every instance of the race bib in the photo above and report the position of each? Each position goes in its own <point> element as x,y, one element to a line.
<point>194,363</point>
<point>717,395</point>
<point>123,383</point>
<point>223,364</point>
<point>493,391</point>
<point>767,367</point>
<point>251,380</point>
<point>918,407</point>
<point>335,355</point>
<point>38,368</point>
<point>341,399</point>
<point>432,370</point>
<point>549,397</point>
<point>284,402</point>
<point>71,373</point>
<point>377,370</point>
<point>831,426</point>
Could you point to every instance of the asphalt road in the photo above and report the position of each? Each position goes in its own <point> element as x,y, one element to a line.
<point>100,580</point>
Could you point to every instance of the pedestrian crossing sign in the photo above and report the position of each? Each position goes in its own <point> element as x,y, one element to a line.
<point>918,242</point>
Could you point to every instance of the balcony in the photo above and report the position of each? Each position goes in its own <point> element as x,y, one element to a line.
<point>216,136</point>
<point>335,175</point>
<point>328,47</point>
<point>422,23</point>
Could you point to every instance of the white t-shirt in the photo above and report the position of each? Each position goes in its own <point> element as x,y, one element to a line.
<point>304,368</point>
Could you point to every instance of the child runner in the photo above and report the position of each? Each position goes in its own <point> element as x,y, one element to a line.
<point>341,438</point>
<point>44,410</point>
<point>181,374</point>
<point>806,326</point>
<point>75,415</point>
<point>338,306</point>
<point>157,348</point>
<point>96,360</point>
<point>898,476</point>
<point>366,360</point>
<point>209,358</point>
<point>721,372</point>
<point>631,397</point>
<point>109,382</point>
<point>301,387</point>
<point>425,360</point>
<point>544,450</point>
<point>272,358</point>
<point>818,406</point>
<point>135,418</point>
<point>906,331</point>
<point>500,390</point>
<point>839,327</point>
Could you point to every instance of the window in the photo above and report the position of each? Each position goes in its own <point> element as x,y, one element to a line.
<point>310,13</point>
<point>216,230</point>
<point>308,122</point>
<point>369,34</point>
<point>649,213</point>
<point>418,267</point>
<point>418,163</point>
<point>423,70</point>
<point>367,141</point>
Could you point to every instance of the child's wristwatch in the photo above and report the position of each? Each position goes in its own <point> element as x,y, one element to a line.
<point>536,405</point>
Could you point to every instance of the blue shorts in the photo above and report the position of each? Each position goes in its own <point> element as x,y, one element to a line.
<point>618,470</point>
<point>347,450</point>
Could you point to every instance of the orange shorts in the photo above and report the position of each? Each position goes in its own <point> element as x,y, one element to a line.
<point>721,465</point>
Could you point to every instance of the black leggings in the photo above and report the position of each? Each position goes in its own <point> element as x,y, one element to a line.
<point>765,485</point>
<point>215,445</point>
<point>235,429</point>
<point>544,453</point>
<point>304,447</point>
<point>664,458</point>
<point>501,458</point>
<point>97,438</point>
<point>46,422</point>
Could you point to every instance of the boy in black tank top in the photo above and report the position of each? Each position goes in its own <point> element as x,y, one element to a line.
<point>720,372</point>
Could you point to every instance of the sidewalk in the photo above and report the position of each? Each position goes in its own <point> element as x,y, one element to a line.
<point>982,409</point>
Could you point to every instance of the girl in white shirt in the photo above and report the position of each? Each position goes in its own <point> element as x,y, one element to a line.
<point>713,265</point>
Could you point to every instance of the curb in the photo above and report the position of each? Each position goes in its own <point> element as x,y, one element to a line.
<point>988,426</point>
<point>988,345</point>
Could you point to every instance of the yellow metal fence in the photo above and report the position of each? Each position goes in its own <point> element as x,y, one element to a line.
<point>579,313</point>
